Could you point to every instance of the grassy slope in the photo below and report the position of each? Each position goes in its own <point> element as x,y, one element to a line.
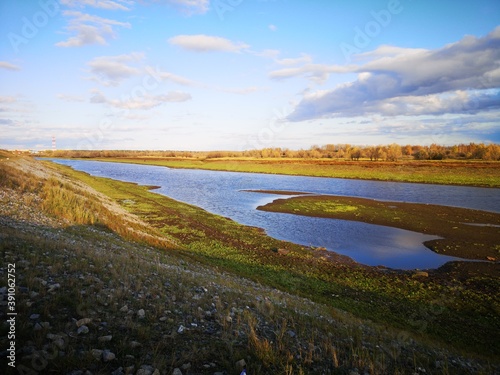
<point>467,308</point>
<point>437,172</point>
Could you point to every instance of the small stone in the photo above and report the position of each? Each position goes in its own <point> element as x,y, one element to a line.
<point>105,338</point>
<point>108,356</point>
<point>83,321</point>
<point>145,370</point>
<point>135,344</point>
<point>97,354</point>
<point>186,366</point>
<point>181,329</point>
<point>241,363</point>
<point>34,316</point>
<point>54,287</point>
<point>124,309</point>
<point>82,330</point>
<point>177,371</point>
<point>60,343</point>
<point>141,314</point>
<point>118,371</point>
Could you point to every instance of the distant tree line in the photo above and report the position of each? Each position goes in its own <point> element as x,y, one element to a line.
<point>392,152</point>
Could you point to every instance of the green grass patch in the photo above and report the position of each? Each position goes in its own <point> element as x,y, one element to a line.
<point>466,233</point>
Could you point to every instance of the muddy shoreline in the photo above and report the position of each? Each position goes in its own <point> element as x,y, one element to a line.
<point>466,233</point>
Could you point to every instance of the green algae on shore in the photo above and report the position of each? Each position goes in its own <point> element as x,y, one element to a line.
<point>467,233</point>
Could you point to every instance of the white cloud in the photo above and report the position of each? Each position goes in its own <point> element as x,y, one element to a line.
<point>112,70</point>
<point>7,99</point>
<point>456,78</point>
<point>206,43</point>
<point>273,27</point>
<point>8,66</point>
<point>317,73</point>
<point>160,76</point>
<point>70,98</point>
<point>89,29</point>
<point>188,7</point>
<point>303,59</point>
<point>172,77</point>
<point>102,4</point>
<point>143,102</point>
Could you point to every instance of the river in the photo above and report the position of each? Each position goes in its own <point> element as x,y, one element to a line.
<point>223,193</point>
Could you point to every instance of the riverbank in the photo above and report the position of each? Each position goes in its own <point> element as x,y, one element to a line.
<point>463,173</point>
<point>167,285</point>
<point>469,234</point>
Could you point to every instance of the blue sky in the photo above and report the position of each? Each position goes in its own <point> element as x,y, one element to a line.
<point>243,74</point>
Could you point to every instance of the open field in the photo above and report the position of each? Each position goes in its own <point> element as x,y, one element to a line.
<point>450,172</point>
<point>238,294</point>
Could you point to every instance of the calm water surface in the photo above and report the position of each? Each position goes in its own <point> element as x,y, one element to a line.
<point>221,193</point>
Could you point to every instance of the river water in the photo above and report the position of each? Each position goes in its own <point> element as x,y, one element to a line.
<point>223,193</point>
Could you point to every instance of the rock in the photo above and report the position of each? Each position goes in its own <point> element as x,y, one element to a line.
<point>135,344</point>
<point>34,316</point>
<point>141,314</point>
<point>82,330</point>
<point>96,353</point>
<point>54,287</point>
<point>83,321</point>
<point>124,309</point>
<point>145,370</point>
<point>60,343</point>
<point>108,356</point>
<point>118,371</point>
<point>181,329</point>
<point>105,338</point>
<point>177,371</point>
<point>241,363</point>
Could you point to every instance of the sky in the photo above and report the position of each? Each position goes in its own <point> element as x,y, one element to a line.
<point>247,74</point>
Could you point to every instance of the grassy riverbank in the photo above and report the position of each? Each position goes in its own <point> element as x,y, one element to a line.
<point>468,173</point>
<point>282,307</point>
<point>466,233</point>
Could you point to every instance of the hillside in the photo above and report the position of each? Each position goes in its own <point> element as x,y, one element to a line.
<point>101,290</point>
